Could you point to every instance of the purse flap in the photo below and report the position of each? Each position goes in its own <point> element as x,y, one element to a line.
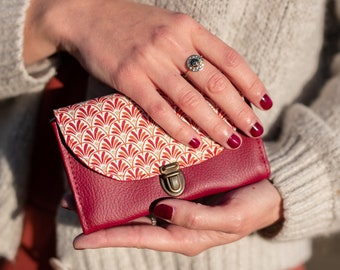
<point>113,136</point>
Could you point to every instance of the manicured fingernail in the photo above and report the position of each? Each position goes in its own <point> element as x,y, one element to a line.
<point>256,130</point>
<point>194,143</point>
<point>163,211</point>
<point>234,141</point>
<point>266,102</point>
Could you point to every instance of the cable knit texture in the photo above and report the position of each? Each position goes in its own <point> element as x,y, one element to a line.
<point>282,41</point>
<point>14,77</point>
<point>249,253</point>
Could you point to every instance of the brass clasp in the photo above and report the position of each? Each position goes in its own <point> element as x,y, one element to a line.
<point>172,179</point>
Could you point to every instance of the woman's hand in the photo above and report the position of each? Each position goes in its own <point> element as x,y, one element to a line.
<point>191,227</point>
<point>141,50</point>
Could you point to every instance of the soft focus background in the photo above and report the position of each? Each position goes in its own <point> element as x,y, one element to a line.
<point>326,254</point>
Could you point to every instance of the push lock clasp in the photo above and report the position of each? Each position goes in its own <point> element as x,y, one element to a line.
<point>172,179</point>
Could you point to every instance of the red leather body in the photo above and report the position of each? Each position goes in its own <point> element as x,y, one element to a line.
<point>104,202</point>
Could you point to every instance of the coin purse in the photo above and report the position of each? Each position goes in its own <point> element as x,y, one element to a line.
<point>119,162</point>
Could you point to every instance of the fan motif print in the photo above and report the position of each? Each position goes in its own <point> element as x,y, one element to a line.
<point>116,138</point>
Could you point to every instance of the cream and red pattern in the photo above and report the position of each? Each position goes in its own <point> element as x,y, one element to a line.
<point>114,137</point>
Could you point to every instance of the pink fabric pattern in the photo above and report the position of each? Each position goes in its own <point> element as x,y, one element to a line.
<point>115,137</point>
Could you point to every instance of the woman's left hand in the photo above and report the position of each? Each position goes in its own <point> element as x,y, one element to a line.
<point>191,228</point>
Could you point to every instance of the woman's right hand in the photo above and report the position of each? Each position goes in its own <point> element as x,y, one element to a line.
<point>141,50</point>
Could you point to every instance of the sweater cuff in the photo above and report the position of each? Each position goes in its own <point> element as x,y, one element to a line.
<point>304,170</point>
<point>14,77</point>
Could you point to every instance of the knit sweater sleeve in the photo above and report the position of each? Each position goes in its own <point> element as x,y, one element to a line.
<point>305,165</point>
<point>15,78</point>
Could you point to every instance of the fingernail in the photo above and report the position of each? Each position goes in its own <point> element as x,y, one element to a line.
<point>194,143</point>
<point>266,102</point>
<point>163,211</point>
<point>234,141</point>
<point>256,130</point>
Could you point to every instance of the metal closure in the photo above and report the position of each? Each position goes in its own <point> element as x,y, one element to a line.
<point>172,179</point>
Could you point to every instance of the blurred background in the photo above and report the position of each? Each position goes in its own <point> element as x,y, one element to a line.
<point>326,254</point>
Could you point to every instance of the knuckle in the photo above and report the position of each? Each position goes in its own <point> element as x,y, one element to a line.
<point>245,116</point>
<point>123,71</point>
<point>162,33</point>
<point>232,58</point>
<point>256,88</point>
<point>141,51</point>
<point>189,99</point>
<point>243,113</point>
<point>156,110</point>
<point>183,19</point>
<point>167,33</point>
<point>218,127</point>
<point>237,226</point>
<point>193,221</point>
<point>180,130</point>
<point>216,83</point>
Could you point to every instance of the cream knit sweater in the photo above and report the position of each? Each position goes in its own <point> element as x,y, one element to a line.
<point>282,41</point>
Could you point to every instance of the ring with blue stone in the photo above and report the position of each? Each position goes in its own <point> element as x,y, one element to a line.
<point>195,63</point>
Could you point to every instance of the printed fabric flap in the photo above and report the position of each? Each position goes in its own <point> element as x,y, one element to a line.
<point>116,138</point>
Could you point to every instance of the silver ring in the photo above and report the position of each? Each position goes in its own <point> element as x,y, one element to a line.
<point>195,63</point>
<point>153,220</point>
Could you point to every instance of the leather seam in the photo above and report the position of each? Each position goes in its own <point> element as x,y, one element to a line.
<point>263,156</point>
<point>76,186</point>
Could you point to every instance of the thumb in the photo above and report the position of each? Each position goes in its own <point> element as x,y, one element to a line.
<point>194,215</point>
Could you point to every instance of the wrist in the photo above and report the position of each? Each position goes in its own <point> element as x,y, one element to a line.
<point>53,26</point>
<point>39,42</point>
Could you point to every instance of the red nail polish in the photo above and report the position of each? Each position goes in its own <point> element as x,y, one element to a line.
<point>266,102</point>
<point>256,130</point>
<point>163,211</point>
<point>194,143</point>
<point>234,141</point>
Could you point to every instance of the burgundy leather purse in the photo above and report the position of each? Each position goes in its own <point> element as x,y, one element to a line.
<point>119,162</point>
